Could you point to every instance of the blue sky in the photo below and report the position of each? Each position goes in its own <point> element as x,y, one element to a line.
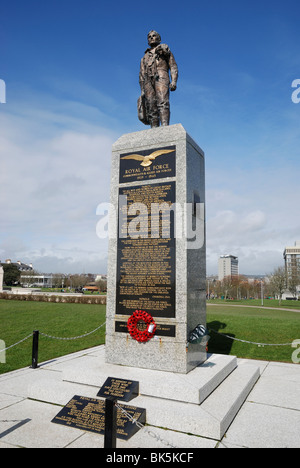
<point>71,73</point>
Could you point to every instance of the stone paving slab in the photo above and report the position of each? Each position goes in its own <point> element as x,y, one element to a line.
<point>28,424</point>
<point>8,400</point>
<point>270,417</point>
<point>265,426</point>
<point>287,394</point>
<point>144,440</point>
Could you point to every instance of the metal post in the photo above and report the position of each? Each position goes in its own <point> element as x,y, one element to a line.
<point>35,349</point>
<point>110,436</point>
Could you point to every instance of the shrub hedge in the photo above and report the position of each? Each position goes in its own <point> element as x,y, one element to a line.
<point>53,298</point>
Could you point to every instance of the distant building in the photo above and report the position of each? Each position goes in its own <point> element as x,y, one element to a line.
<point>21,266</point>
<point>36,281</point>
<point>291,257</point>
<point>228,266</point>
<point>90,288</point>
<point>101,277</point>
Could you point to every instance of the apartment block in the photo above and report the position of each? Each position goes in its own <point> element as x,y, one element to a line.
<point>228,266</point>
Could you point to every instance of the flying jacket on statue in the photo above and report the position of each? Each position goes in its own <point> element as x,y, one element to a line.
<point>153,105</point>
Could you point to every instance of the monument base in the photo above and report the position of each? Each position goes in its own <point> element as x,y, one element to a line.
<point>203,402</point>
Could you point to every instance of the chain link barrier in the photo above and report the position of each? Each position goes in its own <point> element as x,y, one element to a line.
<point>19,342</point>
<point>250,342</point>
<point>74,337</point>
<point>54,337</point>
<point>147,431</point>
<point>98,328</point>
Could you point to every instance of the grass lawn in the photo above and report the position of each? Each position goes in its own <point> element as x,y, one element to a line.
<point>257,302</point>
<point>256,325</point>
<point>19,318</point>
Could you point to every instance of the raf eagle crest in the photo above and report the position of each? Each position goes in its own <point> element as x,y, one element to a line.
<point>147,160</point>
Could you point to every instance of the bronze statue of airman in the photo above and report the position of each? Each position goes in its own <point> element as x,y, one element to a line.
<point>157,65</point>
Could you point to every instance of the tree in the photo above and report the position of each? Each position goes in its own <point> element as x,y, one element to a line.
<point>238,282</point>
<point>227,285</point>
<point>245,288</point>
<point>278,282</point>
<point>58,280</point>
<point>101,285</point>
<point>76,281</point>
<point>11,274</point>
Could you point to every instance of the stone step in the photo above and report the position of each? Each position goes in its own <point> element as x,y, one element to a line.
<point>210,419</point>
<point>225,402</point>
<point>174,406</point>
<point>193,387</point>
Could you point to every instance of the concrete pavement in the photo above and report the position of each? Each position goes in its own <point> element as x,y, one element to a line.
<point>30,399</point>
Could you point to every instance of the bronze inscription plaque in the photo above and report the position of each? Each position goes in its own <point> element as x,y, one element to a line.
<point>88,414</point>
<point>119,389</point>
<point>148,164</point>
<point>146,251</point>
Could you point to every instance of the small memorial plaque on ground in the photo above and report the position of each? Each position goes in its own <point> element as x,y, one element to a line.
<point>88,414</point>
<point>119,389</point>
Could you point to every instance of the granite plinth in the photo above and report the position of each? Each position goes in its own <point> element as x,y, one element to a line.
<point>182,291</point>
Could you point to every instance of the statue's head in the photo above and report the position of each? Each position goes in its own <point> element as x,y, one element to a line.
<point>153,38</point>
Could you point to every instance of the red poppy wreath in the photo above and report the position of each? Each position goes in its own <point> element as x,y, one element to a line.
<point>142,336</point>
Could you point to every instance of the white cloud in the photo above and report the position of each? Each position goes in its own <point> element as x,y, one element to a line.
<point>253,222</point>
<point>55,169</point>
<point>51,182</point>
<point>253,215</point>
<point>233,225</point>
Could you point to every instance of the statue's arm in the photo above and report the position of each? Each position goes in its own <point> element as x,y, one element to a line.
<point>173,72</point>
<point>142,77</point>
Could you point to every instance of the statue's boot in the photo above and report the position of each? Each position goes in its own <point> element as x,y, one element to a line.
<point>154,123</point>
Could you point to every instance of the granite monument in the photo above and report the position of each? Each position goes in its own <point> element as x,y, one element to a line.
<point>157,255</point>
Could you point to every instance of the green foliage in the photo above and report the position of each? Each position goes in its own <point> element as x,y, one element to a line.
<point>11,274</point>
